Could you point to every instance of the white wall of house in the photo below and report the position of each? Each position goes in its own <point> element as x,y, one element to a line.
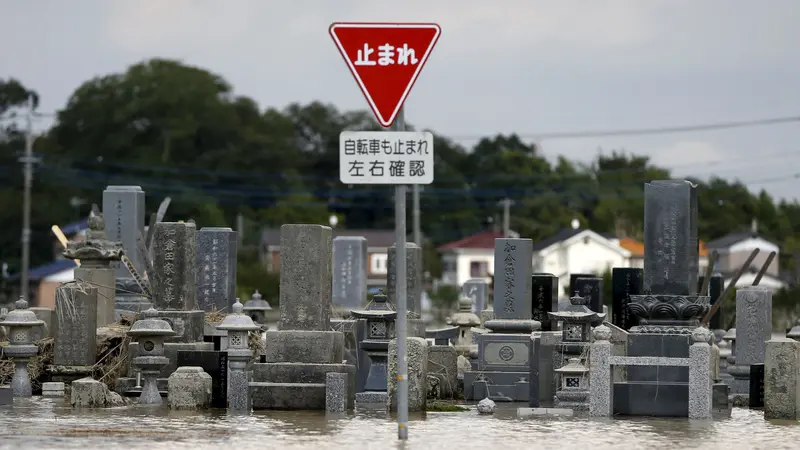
<point>583,253</point>
<point>461,265</point>
<point>767,281</point>
<point>64,276</point>
<point>750,244</point>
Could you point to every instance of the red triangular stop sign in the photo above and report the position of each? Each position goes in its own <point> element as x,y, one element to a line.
<point>385,59</point>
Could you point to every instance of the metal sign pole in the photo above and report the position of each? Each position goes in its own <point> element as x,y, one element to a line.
<point>401,293</point>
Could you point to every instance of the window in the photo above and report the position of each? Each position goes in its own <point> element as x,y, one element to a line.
<point>449,266</point>
<point>377,263</point>
<point>478,269</point>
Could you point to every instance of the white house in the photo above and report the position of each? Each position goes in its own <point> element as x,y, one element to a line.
<point>735,248</point>
<point>578,251</point>
<point>568,251</point>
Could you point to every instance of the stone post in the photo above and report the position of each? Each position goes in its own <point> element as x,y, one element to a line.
<point>305,294</point>
<point>781,384</point>
<point>216,253</point>
<point>753,330</point>
<point>700,382</point>
<point>174,262</point>
<point>350,268</point>
<point>76,336</point>
<point>601,403</point>
<point>417,374</point>
<point>123,208</point>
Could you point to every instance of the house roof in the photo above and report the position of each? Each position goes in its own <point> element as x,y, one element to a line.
<point>40,272</point>
<point>560,236</point>
<point>375,238</point>
<point>730,239</point>
<point>637,248</point>
<point>482,241</point>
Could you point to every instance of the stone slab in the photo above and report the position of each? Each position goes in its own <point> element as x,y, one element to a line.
<point>174,266</point>
<point>591,287</point>
<point>715,288</point>
<point>215,261</point>
<point>504,352</point>
<point>753,324</point>
<point>306,270</point>
<point>6,396</point>
<point>528,412</point>
<point>417,359</point>
<point>513,267</point>
<point>782,379</point>
<point>297,346</point>
<point>658,345</point>
<point>651,399</point>
<point>350,268</point>
<point>299,396</point>
<point>335,392</point>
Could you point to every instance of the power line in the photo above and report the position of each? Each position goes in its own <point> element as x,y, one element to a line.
<point>646,131</point>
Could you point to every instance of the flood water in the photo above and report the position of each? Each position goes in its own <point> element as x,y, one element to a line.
<point>41,423</point>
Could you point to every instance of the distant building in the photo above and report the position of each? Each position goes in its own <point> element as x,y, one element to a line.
<point>637,253</point>
<point>735,248</point>
<point>378,243</point>
<point>568,251</point>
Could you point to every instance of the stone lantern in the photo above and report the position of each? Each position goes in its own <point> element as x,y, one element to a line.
<point>577,320</point>
<point>465,320</point>
<point>239,325</point>
<point>257,308</point>
<point>150,332</point>
<point>574,386</point>
<point>380,323</point>
<point>20,322</point>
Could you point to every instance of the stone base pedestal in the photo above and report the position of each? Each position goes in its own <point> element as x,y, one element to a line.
<point>497,386</point>
<point>171,350</point>
<point>295,386</point>
<point>126,386</point>
<point>68,374</point>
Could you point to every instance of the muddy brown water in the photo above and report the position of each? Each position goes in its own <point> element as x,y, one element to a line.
<point>42,423</point>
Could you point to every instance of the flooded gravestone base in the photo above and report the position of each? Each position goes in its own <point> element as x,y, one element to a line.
<point>44,423</point>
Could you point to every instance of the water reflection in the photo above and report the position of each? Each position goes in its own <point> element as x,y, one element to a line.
<point>47,424</point>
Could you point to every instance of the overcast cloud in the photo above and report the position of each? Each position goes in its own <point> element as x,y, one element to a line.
<point>525,66</point>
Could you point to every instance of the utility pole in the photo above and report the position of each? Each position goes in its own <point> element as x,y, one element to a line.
<point>28,161</point>
<point>416,215</point>
<point>506,204</point>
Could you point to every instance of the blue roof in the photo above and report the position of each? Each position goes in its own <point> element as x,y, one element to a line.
<point>37,273</point>
<point>75,227</point>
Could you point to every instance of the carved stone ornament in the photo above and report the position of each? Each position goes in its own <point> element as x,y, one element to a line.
<point>96,246</point>
<point>671,308</point>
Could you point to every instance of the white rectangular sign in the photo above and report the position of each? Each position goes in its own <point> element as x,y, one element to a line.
<point>386,157</point>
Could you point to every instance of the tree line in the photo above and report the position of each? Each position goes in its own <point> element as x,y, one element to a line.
<point>181,131</point>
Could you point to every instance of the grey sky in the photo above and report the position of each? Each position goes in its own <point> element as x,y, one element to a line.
<point>522,66</point>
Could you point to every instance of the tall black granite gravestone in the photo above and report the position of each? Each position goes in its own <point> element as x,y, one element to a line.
<point>592,287</point>
<point>715,288</point>
<point>544,290</point>
<point>625,281</point>
<point>669,309</point>
<point>756,386</point>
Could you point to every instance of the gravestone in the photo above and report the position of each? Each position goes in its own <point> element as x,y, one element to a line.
<point>782,379</point>
<point>304,350</point>
<point>715,288</point>
<point>573,278</point>
<point>305,293</point>
<point>75,339</point>
<point>174,266</point>
<point>592,287</point>
<point>513,264</point>
<point>123,210</point>
<point>753,330</point>
<point>670,227</point>
<point>478,291</point>
<point>350,260</point>
<point>757,386</point>
<point>505,355</point>
<point>625,281</point>
<point>414,281</point>
<point>216,255</point>
<point>668,311</point>
<point>214,363</point>
<point>544,287</point>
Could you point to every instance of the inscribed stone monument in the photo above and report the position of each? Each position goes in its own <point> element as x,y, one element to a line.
<point>513,264</point>
<point>414,279</point>
<point>305,294</point>
<point>216,268</point>
<point>349,271</point>
<point>76,309</point>
<point>544,287</point>
<point>174,266</point>
<point>625,281</point>
<point>670,235</point>
<point>591,287</point>
<point>123,210</point>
